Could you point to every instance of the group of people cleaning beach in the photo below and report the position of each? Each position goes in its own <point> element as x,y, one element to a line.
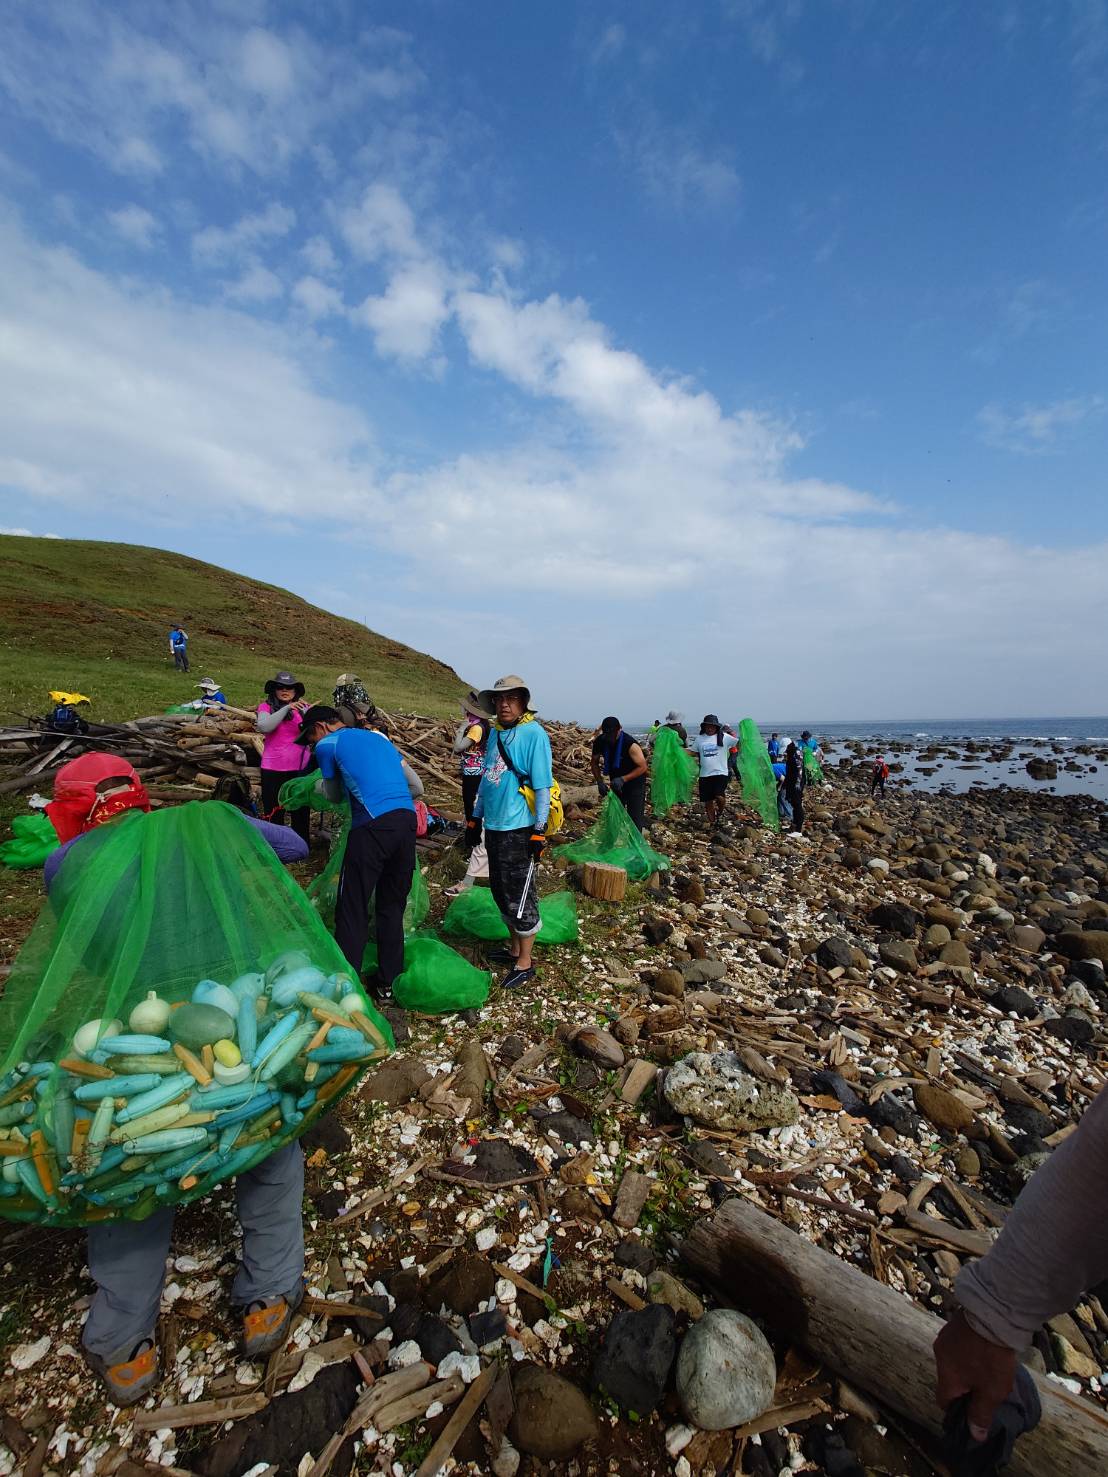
<point>1052,1247</point>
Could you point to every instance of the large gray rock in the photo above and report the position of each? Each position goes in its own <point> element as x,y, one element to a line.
<point>715,1089</point>
<point>725,1371</point>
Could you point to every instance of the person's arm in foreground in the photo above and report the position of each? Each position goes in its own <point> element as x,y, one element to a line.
<point>1053,1248</point>
<point>330,777</point>
<point>268,722</point>
<point>415,784</point>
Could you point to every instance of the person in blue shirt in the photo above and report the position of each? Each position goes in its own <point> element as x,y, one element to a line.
<point>517,754</point>
<point>212,691</point>
<point>362,766</point>
<point>179,648</point>
<point>774,748</point>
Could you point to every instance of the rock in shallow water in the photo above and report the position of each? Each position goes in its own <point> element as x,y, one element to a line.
<point>714,1089</point>
<point>725,1371</point>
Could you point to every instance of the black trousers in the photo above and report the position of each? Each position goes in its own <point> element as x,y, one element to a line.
<point>379,864</point>
<point>301,819</point>
<point>633,796</point>
<point>795,797</point>
<point>471,783</point>
<point>181,660</point>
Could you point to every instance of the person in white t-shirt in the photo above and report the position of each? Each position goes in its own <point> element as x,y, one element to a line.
<point>713,747</point>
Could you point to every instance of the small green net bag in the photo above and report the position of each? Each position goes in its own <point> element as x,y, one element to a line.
<point>673,773</point>
<point>33,839</point>
<point>178,1012</point>
<point>813,770</point>
<point>613,838</point>
<point>474,913</point>
<point>437,980</point>
<point>756,776</point>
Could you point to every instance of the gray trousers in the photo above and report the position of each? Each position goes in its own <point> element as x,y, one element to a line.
<point>127,1258</point>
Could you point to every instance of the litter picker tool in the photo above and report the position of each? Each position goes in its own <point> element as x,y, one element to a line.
<point>526,885</point>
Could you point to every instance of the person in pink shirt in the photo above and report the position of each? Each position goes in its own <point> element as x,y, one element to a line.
<point>278,720</point>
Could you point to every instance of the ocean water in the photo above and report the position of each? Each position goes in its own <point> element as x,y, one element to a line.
<point>956,769</point>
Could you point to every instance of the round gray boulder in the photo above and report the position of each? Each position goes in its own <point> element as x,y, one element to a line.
<point>725,1371</point>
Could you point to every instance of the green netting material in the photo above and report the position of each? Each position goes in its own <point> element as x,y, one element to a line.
<point>673,772</point>
<point>323,889</point>
<point>812,769</point>
<point>614,839</point>
<point>759,783</point>
<point>191,905</point>
<point>33,839</point>
<point>437,980</point>
<point>474,913</point>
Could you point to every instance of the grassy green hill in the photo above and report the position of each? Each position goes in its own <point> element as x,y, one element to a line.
<point>94,618</point>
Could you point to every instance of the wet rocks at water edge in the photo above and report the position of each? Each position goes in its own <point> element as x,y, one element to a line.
<point>725,1371</point>
<point>716,1090</point>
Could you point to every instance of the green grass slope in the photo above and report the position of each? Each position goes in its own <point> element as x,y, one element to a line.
<point>94,617</point>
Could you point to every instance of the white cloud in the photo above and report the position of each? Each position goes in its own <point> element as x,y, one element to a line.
<point>257,284</point>
<point>135,225</point>
<point>1037,428</point>
<point>318,299</point>
<point>216,244</point>
<point>126,400</point>
<point>318,252</point>
<point>407,317</point>
<point>676,170</point>
<point>267,64</point>
<point>380,225</point>
<point>131,82</point>
<point>26,533</point>
<point>610,43</point>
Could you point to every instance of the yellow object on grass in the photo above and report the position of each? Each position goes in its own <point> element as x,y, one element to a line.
<point>69,698</point>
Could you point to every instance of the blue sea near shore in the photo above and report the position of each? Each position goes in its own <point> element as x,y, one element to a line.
<point>971,752</point>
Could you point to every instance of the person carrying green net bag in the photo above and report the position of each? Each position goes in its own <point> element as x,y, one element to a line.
<point>756,776</point>
<point>811,754</point>
<point>673,772</point>
<point>156,1037</point>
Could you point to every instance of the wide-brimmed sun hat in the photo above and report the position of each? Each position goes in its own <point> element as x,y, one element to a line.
<point>284,679</point>
<point>502,685</point>
<point>474,702</point>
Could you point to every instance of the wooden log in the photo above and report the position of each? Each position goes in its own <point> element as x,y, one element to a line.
<point>869,1333</point>
<point>451,1433</point>
<point>600,880</point>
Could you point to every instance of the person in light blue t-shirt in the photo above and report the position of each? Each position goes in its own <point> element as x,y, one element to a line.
<point>380,851</point>
<point>517,754</point>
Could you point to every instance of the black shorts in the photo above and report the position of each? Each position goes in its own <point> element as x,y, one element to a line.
<point>713,787</point>
<point>509,863</point>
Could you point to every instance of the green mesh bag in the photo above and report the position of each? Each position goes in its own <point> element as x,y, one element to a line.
<point>812,770</point>
<point>33,839</point>
<point>759,783</point>
<point>323,889</point>
<point>613,838</point>
<point>474,913</point>
<point>673,773</point>
<point>164,935</point>
<point>437,980</point>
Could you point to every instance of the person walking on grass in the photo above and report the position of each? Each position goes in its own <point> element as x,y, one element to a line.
<point>278,720</point>
<point>713,747</point>
<point>517,756</point>
<point>796,779</point>
<point>179,647</point>
<point>619,762</point>
<point>360,765</point>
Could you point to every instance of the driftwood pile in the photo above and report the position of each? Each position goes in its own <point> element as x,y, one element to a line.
<point>182,756</point>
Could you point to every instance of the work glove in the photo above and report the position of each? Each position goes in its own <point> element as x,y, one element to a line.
<point>536,845</point>
<point>617,784</point>
<point>472,835</point>
<point>601,788</point>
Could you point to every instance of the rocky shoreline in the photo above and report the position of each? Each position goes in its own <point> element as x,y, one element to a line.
<point>874,1033</point>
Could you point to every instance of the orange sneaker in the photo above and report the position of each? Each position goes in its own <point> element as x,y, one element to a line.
<point>128,1381</point>
<point>265,1326</point>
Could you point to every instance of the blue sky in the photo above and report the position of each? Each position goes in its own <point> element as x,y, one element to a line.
<point>745,354</point>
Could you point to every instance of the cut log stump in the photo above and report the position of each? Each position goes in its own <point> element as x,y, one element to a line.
<point>600,880</point>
